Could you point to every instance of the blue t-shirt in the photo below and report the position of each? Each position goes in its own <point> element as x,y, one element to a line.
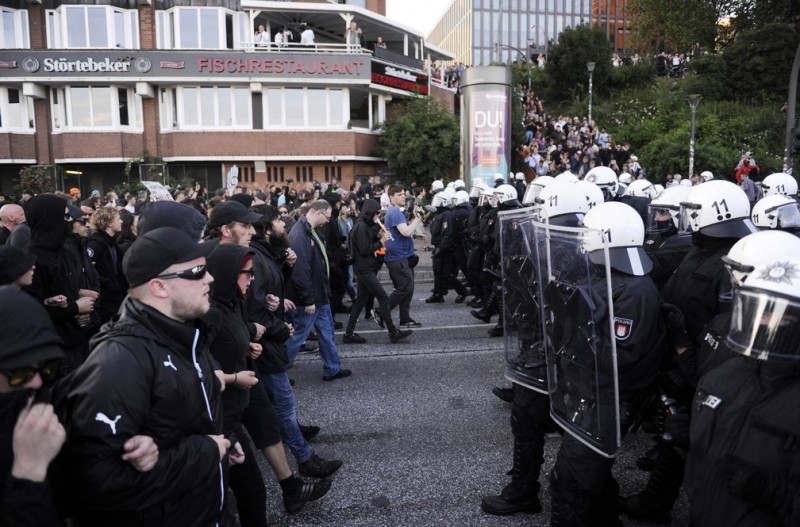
<point>402,247</point>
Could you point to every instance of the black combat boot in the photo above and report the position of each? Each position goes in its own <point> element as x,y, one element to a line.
<point>655,502</point>
<point>489,308</point>
<point>522,494</point>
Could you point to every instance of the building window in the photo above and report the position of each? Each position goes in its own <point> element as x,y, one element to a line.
<point>14,29</point>
<point>16,111</point>
<point>200,28</point>
<point>92,107</point>
<point>223,107</point>
<point>92,27</point>
<point>304,108</point>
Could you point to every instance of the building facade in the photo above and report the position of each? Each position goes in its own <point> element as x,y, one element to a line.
<point>91,88</point>
<point>480,32</point>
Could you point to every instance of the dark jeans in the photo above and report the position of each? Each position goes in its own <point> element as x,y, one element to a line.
<point>368,284</point>
<point>403,280</point>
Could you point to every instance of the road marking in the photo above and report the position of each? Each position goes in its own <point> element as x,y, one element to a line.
<point>431,328</point>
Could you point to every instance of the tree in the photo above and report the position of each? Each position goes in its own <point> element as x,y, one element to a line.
<point>421,143</point>
<point>567,59</point>
<point>673,25</point>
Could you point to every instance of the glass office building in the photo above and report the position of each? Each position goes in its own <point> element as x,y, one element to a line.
<point>480,32</point>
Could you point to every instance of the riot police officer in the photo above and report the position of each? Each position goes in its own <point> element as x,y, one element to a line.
<point>558,204</point>
<point>742,467</point>
<point>583,490</point>
<point>665,245</point>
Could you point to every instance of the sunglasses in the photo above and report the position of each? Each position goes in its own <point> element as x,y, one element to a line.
<point>247,271</point>
<point>195,273</point>
<point>21,376</point>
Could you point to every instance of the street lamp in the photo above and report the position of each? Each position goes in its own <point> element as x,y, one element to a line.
<point>497,47</point>
<point>694,100</point>
<point>590,67</point>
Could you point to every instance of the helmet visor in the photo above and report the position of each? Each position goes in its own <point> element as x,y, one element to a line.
<point>788,215</point>
<point>689,212</point>
<point>662,218</point>
<point>765,326</point>
<point>531,193</point>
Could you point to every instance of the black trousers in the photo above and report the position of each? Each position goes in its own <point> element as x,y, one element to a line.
<point>247,483</point>
<point>445,269</point>
<point>367,284</point>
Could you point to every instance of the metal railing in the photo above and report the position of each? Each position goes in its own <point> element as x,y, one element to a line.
<point>338,48</point>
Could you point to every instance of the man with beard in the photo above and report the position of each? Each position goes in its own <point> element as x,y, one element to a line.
<point>150,372</point>
<point>273,263</point>
<point>232,222</point>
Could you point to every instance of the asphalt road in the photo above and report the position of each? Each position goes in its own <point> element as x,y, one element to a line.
<point>420,433</point>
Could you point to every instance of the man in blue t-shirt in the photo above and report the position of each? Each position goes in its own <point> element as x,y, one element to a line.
<point>398,250</point>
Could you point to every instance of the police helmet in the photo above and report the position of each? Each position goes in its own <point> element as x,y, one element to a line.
<point>765,319</point>
<point>567,176</point>
<point>477,188</point>
<point>460,197</point>
<point>535,188</point>
<point>437,185</point>
<point>622,232</point>
<point>625,178</point>
<point>562,203</point>
<point>719,209</point>
<point>506,194</point>
<point>520,176</point>
<point>459,184</point>
<point>664,211</point>
<point>779,183</point>
<point>776,212</point>
<point>594,196</point>
<point>606,179</point>
<point>706,175</point>
<point>641,188</point>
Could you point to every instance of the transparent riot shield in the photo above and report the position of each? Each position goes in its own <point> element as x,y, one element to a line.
<point>525,362</point>
<point>580,350</point>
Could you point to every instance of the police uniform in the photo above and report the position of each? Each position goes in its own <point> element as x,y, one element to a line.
<point>583,490</point>
<point>667,251</point>
<point>743,466</point>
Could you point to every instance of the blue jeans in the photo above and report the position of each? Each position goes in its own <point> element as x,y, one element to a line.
<point>282,395</point>
<point>322,319</point>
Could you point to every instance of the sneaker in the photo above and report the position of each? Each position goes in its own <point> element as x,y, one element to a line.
<point>309,348</point>
<point>410,323</point>
<point>355,338</point>
<point>305,493</point>
<point>378,318</point>
<point>341,374</point>
<point>316,467</point>
<point>309,431</point>
<point>399,334</point>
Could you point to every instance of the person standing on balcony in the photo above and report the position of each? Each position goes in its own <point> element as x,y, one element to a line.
<point>353,37</point>
<point>306,35</point>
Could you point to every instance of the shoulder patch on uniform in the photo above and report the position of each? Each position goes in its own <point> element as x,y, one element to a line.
<point>712,401</point>
<point>622,328</point>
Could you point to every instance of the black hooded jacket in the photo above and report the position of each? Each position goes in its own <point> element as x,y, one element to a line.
<point>229,335</point>
<point>365,239</point>
<point>270,276</point>
<point>148,374</point>
<point>107,258</point>
<point>56,273</point>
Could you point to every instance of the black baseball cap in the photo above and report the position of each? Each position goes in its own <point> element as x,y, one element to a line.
<point>230,211</point>
<point>158,249</point>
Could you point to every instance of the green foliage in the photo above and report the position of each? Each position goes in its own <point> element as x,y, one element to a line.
<point>642,74</point>
<point>759,62</point>
<point>656,122</point>
<point>37,178</point>
<point>421,143</point>
<point>566,71</point>
<point>673,25</point>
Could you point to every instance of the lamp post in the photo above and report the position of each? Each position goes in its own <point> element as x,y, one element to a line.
<point>590,67</point>
<point>694,100</point>
<point>497,47</point>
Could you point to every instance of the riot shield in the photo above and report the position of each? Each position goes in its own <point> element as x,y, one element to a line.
<point>525,362</point>
<point>580,350</point>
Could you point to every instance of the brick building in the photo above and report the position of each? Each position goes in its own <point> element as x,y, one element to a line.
<point>88,86</point>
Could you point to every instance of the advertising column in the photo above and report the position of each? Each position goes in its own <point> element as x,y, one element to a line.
<point>485,123</point>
